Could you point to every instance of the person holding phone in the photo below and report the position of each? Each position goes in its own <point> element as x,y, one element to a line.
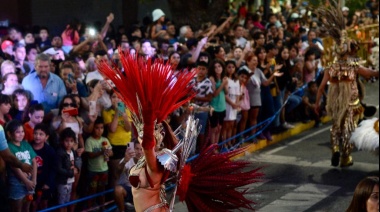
<point>73,86</point>
<point>117,121</point>
<point>68,118</point>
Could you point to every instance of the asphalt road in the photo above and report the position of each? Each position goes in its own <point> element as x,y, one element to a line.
<point>299,176</point>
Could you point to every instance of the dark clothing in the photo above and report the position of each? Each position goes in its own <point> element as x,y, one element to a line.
<point>46,167</point>
<point>183,63</point>
<point>64,164</point>
<point>285,81</point>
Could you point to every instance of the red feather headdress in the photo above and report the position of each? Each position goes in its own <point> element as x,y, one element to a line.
<point>145,84</point>
<point>214,182</point>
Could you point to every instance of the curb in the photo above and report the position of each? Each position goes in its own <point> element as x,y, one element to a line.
<point>261,144</point>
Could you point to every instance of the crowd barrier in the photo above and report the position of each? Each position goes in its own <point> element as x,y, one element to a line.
<point>264,124</point>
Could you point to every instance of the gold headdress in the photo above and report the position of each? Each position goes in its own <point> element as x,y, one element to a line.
<point>336,26</point>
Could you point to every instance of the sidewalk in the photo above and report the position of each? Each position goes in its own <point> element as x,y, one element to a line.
<point>299,127</point>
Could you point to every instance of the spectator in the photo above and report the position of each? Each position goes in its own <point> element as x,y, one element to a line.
<point>171,31</point>
<point>267,104</point>
<point>195,47</point>
<point>233,97</point>
<point>31,54</point>
<point>47,88</point>
<point>7,156</point>
<point>5,106</point>
<point>66,166</point>
<point>98,150</point>
<point>36,116</point>
<point>203,86</point>
<point>15,34</point>
<point>19,53</point>
<point>174,59</point>
<point>10,84</point>
<point>7,48</point>
<point>146,49</point>
<point>29,38</point>
<point>238,34</point>
<point>310,67</point>
<point>285,85</point>
<point>185,33</point>
<point>73,85</point>
<point>70,36</point>
<point>46,163</point>
<point>20,184</point>
<point>123,191</point>
<point>366,196</point>
<point>117,120</point>
<point>44,42</point>
<point>312,42</point>
<point>21,102</point>
<point>99,55</point>
<point>158,28</point>
<point>244,103</point>
<point>219,85</point>
<point>7,66</point>
<point>309,102</point>
<point>253,85</point>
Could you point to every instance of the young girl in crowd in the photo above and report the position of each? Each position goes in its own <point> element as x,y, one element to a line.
<point>21,101</point>
<point>174,59</point>
<point>267,106</point>
<point>232,102</point>
<point>66,166</point>
<point>10,83</point>
<point>244,103</point>
<point>20,184</point>
<point>46,167</point>
<point>36,116</point>
<point>5,106</point>
<point>310,66</point>
<point>219,85</point>
<point>158,29</point>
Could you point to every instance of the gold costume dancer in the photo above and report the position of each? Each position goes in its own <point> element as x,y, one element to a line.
<point>343,103</point>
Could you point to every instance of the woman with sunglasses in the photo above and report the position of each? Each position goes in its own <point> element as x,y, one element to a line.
<point>68,117</point>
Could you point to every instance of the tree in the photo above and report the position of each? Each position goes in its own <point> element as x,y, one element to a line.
<point>196,12</point>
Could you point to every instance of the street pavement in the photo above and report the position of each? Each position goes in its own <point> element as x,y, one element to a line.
<point>299,176</point>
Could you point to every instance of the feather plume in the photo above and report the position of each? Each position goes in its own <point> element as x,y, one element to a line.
<point>365,137</point>
<point>335,19</point>
<point>147,83</point>
<point>215,182</point>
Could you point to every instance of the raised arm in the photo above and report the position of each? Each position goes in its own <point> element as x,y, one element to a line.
<point>326,78</point>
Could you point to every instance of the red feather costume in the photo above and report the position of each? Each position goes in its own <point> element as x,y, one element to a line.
<point>151,91</point>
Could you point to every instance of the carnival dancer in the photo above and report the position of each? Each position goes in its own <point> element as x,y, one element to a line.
<point>343,103</point>
<point>151,91</point>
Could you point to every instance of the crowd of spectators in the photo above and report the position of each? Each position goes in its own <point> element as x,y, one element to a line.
<point>61,116</point>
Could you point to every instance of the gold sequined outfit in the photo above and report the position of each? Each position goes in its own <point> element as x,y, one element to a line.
<point>343,105</point>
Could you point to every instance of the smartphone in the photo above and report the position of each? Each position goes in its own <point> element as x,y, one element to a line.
<point>131,145</point>
<point>92,108</point>
<point>71,78</point>
<point>121,108</point>
<point>71,111</point>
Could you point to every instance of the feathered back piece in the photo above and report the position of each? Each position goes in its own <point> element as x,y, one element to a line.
<point>212,182</point>
<point>147,84</point>
<point>335,20</point>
